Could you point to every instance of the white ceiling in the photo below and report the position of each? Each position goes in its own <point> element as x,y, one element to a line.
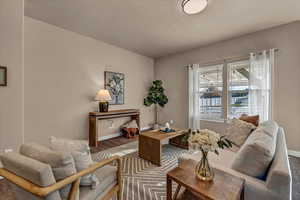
<point>158,27</point>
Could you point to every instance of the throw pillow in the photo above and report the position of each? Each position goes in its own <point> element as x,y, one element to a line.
<point>80,151</point>
<point>256,155</point>
<point>62,163</point>
<point>238,131</point>
<point>250,119</point>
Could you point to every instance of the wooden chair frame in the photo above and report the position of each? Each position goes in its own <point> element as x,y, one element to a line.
<point>74,180</point>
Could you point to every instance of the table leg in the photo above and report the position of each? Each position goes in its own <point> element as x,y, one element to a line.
<point>169,188</point>
<point>176,192</point>
<point>93,131</point>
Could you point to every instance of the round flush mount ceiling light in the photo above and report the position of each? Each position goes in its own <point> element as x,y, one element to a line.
<point>192,7</point>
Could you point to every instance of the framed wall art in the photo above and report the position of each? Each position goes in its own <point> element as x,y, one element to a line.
<point>115,84</point>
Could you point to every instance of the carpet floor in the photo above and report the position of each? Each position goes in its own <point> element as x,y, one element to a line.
<point>145,181</point>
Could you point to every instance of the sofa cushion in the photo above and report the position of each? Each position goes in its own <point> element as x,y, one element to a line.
<point>80,151</point>
<point>62,163</point>
<point>238,131</point>
<point>256,154</point>
<point>107,176</point>
<point>270,127</point>
<point>224,159</point>
<point>32,170</point>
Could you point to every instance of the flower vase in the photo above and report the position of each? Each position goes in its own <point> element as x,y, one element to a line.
<point>203,170</point>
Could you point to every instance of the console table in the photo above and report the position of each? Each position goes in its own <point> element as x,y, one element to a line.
<point>95,116</point>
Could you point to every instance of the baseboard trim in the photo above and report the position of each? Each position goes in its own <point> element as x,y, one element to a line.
<point>146,128</point>
<point>106,137</point>
<point>294,153</point>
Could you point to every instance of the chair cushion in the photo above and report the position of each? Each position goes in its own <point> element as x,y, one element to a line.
<point>256,155</point>
<point>32,170</point>
<point>62,163</point>
<point>80,151</point>
<point>107,176</point>
<point>238,131</point>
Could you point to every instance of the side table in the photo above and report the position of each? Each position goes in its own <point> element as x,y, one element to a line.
<point>224,186</point>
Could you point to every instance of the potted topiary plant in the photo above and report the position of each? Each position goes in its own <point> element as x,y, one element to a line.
<point>157,97</point>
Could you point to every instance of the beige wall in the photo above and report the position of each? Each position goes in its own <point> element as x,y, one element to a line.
<point>64,71</point>
<point>287,72</point>
<point>11,55</point>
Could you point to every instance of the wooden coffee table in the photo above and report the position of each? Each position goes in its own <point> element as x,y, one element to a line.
<point>150,144</point>
<point>224,186</point>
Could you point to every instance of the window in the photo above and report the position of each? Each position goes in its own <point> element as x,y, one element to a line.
<point>230,89</point>
<point>211,89</point>
<point>238,89</point>
<point>223,97</point>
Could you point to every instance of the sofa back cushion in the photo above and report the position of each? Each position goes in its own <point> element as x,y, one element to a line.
<point>62,163</point>
<point>270,128</point>
<point>256,154</point>
<point>32,170</point>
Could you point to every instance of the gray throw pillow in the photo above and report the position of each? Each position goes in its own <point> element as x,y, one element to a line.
<point>80,151</point>
<point>62,163</point>
<point>256,154</point>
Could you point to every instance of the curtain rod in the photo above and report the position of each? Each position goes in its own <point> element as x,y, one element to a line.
<point>231,59</point>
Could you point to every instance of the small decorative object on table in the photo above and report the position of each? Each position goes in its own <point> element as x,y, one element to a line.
<point>207,141</point>
<point>130,129</point>
<point>103,97</point>
<point>167,128</point>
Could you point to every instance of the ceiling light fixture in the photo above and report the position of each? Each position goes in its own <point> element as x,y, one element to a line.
<point>192,7</point>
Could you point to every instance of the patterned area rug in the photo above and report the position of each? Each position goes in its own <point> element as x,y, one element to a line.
<point>143,180</point>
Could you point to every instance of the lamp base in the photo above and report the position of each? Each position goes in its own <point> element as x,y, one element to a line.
<point>103,106</point>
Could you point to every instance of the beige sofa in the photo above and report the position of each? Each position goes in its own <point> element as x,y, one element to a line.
<point>278,182</point>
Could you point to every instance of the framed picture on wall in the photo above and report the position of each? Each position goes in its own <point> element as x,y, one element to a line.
<point>115,84</point>
<point>3,76</point>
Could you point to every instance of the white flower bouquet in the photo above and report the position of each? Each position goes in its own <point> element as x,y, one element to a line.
<point>208,141</point>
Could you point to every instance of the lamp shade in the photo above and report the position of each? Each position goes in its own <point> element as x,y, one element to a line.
<point>103,95</point>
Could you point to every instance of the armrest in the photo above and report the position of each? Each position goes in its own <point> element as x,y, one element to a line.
<point>44,191</point>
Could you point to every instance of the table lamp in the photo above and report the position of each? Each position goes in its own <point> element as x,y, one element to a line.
<point>103,97</point>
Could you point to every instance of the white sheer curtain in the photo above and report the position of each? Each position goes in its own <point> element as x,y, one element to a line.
<point>260,84</point>
<point>194,97</point>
